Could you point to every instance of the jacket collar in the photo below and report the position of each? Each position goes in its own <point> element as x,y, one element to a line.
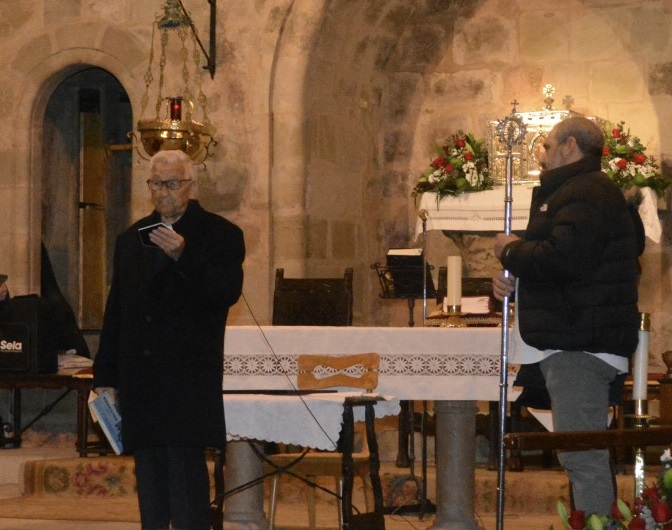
<point>552,179</point>
<point>193,212</point>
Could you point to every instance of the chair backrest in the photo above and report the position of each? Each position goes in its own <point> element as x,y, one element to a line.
<point>312,301</point>
<point>358,370</point>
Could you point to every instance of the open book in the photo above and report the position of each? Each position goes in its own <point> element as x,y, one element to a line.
<point>104,410</point>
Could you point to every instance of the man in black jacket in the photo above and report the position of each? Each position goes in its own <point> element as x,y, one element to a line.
<point>161,346</point>
<point>576,295</point>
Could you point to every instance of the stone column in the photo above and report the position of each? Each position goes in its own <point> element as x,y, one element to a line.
<point>455,465</point>
<point>244,510</point>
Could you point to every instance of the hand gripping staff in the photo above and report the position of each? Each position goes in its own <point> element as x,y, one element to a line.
<point>511,131</point>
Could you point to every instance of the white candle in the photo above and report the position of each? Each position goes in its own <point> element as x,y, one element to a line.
<point>640,366</point>
<point>454,294</point>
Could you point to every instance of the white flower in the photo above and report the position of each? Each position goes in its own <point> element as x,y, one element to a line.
<point>666,456</point>
<point>471,173</point>
<point>435,176</point>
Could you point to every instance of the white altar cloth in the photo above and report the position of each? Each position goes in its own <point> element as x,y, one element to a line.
<point>415,363</point>
<point>483,211</point>
<point>312,420</point>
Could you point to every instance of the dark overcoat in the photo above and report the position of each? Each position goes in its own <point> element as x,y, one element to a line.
<point>162,340</point>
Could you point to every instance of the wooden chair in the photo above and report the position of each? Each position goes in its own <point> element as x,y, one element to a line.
<point>317,372</point>
<point>312,301</point>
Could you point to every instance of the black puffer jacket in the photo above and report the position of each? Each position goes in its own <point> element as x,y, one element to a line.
<point>577,264</point>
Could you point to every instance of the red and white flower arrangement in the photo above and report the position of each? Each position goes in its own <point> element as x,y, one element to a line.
<point>461,166</point>
<point>651,511</point>
<point>625,161</point>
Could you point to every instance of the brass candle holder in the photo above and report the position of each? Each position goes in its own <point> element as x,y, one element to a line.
<point>454,320</point>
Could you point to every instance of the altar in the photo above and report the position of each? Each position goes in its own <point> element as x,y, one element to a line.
<point>415,363</point>
<point>455,367</point>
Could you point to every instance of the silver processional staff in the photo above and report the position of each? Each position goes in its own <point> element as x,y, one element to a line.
<point>511,131</point>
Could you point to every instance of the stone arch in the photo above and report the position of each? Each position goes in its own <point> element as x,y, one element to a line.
<point>288,162</point>
<point>39,78</point>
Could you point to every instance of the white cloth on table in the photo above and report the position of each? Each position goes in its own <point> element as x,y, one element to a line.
<point>415,363</point>
<point>312,420</point>
<point>484,211</point>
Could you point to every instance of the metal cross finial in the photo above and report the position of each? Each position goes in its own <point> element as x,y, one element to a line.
<point>548,91</point>
<point>568,101</point>
<point>511,130</point>
<point>514,103</point>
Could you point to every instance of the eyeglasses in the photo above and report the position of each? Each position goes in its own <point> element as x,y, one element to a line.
<point>172,184</point>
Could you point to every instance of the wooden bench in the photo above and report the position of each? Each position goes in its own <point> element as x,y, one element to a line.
<point>585,440</point>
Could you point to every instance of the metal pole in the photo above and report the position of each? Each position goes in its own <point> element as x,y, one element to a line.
<point>423,214</point>
<point>511,131</point>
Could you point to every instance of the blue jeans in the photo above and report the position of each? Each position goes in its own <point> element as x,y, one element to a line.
<point>578,384</point>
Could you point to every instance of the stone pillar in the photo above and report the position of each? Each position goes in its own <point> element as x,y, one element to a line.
<point>244,510</point>
<point>455,465</point>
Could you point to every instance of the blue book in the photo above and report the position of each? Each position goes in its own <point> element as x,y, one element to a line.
<point>105,411</point>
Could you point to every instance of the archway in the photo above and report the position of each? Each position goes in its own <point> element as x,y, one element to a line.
<point>85,185</point>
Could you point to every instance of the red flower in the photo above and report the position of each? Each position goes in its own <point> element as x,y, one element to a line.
<point>639,158</point>
<point>651,494</point>
<point>622,163</point>
<point>661,512</point>
<point>616,132</point>
<point>637,524</point>
<point>606,151</point>
<point>440,162</point>
<point>460,142</point>
<point>449,168</point>
<point>577,519</point>
<point>468,155</point>
<point>615,512</point>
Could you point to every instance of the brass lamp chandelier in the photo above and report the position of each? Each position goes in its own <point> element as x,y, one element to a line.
<point>174,126</point>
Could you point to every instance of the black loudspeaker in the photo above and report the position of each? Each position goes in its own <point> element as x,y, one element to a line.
<point>27,345</point>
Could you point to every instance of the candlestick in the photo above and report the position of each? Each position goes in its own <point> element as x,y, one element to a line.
<point>176,108</point>
<point>454,291</point>
<point>640,361</point>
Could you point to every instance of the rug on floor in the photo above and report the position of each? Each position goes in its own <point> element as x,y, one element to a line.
<point>84,489</point>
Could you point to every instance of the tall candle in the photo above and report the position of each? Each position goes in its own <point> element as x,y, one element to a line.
<point>454,291</point>
<point>640,361</point>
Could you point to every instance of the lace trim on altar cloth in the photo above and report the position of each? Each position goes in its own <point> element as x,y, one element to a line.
<point>390,365</point>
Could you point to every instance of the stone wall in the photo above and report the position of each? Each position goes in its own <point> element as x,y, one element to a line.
<point>328,111</point>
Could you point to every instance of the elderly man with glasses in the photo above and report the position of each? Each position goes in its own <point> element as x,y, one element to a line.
<point>161,346</point>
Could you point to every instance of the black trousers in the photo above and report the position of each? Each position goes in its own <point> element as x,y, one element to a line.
<point>173,488</point>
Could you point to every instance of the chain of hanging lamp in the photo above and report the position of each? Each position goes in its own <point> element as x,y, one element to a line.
<point>178,130</point>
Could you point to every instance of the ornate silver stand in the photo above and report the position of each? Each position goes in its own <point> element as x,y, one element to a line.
<point>511,131</point>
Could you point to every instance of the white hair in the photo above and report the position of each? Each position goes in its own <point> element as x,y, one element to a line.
<point>175,156</point>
